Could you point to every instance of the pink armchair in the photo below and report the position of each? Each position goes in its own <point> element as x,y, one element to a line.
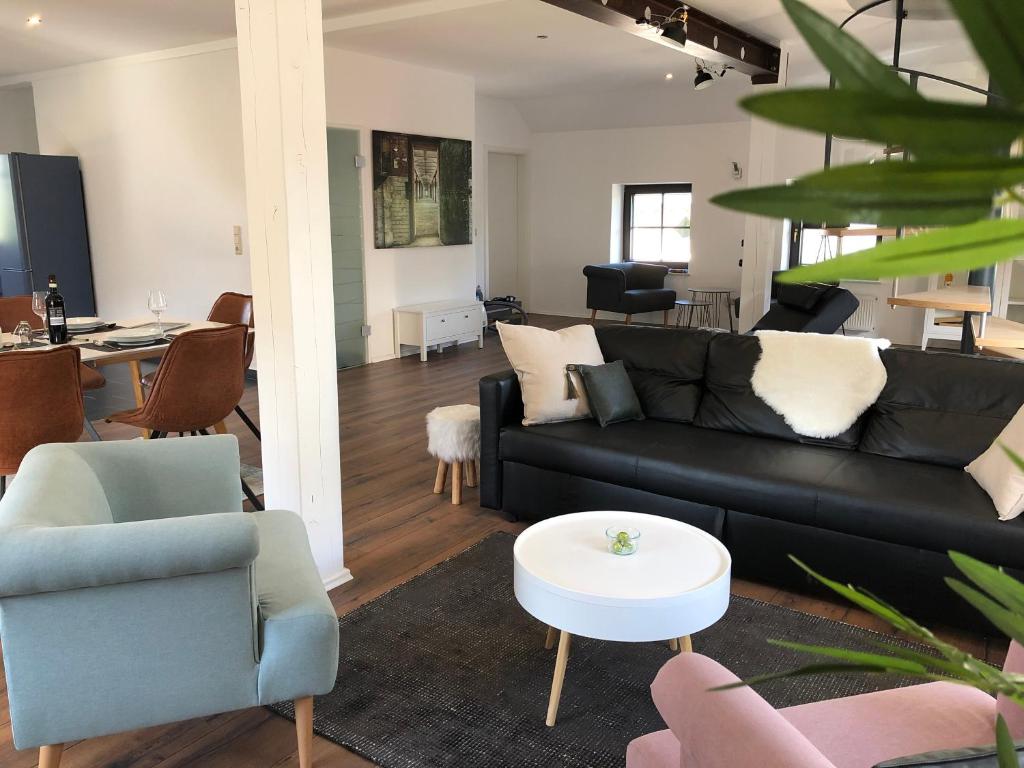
<point>738,728</point>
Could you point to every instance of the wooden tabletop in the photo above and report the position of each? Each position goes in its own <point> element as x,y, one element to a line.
<point>966,298</point>
<point>999,333</point>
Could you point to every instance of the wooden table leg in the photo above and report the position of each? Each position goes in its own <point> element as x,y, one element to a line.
<point>549,641</point>
<point>135,371</point>
<point>686,644</point>
<point>673,644</point>
<point>220,428</point>
<point>49,756</point>
<point>556,684</point>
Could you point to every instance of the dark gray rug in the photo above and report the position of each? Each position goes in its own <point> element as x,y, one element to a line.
<point>448,670</point>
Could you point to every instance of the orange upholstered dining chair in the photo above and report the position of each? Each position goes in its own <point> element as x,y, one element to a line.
<point>198,382</point>
<point>231,308</point>
<point>14,309</point>
<point>40,402</point>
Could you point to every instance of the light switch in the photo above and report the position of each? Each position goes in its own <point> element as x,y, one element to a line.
<point>238,239</point>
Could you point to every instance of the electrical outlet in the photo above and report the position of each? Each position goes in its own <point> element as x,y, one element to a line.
<point>360,161</point>
<point>365,330</point>
<point>237,231</point>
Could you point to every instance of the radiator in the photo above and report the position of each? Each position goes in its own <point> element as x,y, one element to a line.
<point>866,316</point>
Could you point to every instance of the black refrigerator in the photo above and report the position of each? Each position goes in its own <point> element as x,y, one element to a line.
<point>43,229</point>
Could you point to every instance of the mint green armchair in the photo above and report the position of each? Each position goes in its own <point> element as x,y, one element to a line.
<point>134,591</point>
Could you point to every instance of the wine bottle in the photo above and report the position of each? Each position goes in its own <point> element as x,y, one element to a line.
<point>56,321</point>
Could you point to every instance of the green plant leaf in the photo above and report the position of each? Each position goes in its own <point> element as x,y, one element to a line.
<point>1015,457</point>
<point>852,65</point>
<point>1007,622</point>
<point>997,584</point>
<point>1006,750</point>
<point>867,602</point>
<point>996,27</point>
<point>877,660</point>
<point>965,247</point>
<point>810,669</point>
<point>888,194</point>
<point>930,129</point>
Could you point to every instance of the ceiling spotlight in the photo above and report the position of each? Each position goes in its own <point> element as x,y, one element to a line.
<point>669,75</point>
<point>655,24</point>
<point>34,20</point>
<point>704,79</point>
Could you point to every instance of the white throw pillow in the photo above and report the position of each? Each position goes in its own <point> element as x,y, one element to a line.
<point>998,475</point>
<point>539,357</point>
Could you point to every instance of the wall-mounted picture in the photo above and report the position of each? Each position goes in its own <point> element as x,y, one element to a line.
<point>422,191</point>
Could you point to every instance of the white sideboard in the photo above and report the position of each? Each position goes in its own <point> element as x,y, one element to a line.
<point>438,322</point>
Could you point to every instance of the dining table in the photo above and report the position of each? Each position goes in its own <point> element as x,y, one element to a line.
<point>97,350</point>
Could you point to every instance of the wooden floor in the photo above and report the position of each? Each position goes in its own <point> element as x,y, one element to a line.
<point>395,528</point>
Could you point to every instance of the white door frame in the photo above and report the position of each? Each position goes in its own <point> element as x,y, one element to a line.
<point>484,210</point>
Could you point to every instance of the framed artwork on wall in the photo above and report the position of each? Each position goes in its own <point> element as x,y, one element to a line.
<point>422,191</point>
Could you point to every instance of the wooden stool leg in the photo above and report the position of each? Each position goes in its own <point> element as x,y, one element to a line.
<point>471,478</point>
<point>549,640</point>
<point>556,684</point>
<point>49,757</point>
<point>457,483</point>
<point>442,476</point>
<point>673,644</point>
<point>304,730</point>
<point>686,644</point>
<point>629,319</point>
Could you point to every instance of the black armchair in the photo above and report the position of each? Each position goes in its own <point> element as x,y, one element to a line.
<point>808,308</point>
<point>629,289</point>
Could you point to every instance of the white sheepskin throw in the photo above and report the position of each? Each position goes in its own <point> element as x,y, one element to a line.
<point>453,433</point>
<point>819,384</point>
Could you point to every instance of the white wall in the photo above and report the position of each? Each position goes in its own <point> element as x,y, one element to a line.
<point>160,144</point>
<point>499,128</point>
<point>571,176</point>
<point>17,120</point>
<point>370,93</point>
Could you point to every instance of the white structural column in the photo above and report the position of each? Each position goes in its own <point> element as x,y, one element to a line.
<point>762,238</point>
<point>281,70</point>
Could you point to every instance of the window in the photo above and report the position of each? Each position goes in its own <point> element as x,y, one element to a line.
<point>656,224</point>
<point>811,243</point>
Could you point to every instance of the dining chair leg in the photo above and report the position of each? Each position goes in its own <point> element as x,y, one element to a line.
<point>155,435</point>
<point>248,422</point>
<point>304,730</point>
<point>219,428</point>
<point>135,371</point>
<point>666,318</point>
<point>92,431</point>
<point>252,497</point>
<point>593,316</point>
<point>3,485</point>
<point>49,756</point>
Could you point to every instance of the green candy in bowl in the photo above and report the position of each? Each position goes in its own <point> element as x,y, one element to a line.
<point>622,539</point>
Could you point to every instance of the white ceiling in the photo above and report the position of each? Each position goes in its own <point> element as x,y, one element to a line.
<point>493,41</point>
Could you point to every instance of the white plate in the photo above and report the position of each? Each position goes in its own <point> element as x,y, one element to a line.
<point>84,323</point>
<point>134,336</point>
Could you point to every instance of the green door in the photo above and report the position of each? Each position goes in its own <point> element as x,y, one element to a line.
<point>346,246</point>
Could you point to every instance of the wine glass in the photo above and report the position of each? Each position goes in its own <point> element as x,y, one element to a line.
<point>39,306</point>
<point>157,305</point>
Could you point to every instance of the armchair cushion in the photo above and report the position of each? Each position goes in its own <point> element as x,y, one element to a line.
<point>637,301</point>
<point>36,559</point>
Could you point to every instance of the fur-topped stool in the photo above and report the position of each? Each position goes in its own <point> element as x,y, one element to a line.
<point>453,436</point>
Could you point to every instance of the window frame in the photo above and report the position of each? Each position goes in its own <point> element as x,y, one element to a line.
<point>628,192</point>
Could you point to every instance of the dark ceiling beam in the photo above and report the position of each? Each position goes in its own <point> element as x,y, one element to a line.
<point>707,37</point>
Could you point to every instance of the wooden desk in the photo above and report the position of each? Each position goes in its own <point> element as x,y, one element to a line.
<point>998,333</point>
<point>966,298</point>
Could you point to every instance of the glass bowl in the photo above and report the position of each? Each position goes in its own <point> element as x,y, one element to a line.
<point>622,539</point>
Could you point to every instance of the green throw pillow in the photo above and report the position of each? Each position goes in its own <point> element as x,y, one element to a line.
<point>609,392</point>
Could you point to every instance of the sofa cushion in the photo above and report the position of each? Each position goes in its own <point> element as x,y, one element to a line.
<point>729,402</point>
<point>918,505</point>
<point>721,469</point>
<point>666,367</point>
<point>942,408</point>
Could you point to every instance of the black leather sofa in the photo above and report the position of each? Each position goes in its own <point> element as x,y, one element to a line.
<point>878,506</point>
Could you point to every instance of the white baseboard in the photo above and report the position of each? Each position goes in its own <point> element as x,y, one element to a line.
<point>341,577</point>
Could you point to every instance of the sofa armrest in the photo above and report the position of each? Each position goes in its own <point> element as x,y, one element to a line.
<point>39,559</point>
<point>646,276</point>
<point>605,286</point>
<point>501,405</point>
<point>723,729</point>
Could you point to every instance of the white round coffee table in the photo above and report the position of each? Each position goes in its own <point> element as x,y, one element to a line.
<point>675,584</point>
